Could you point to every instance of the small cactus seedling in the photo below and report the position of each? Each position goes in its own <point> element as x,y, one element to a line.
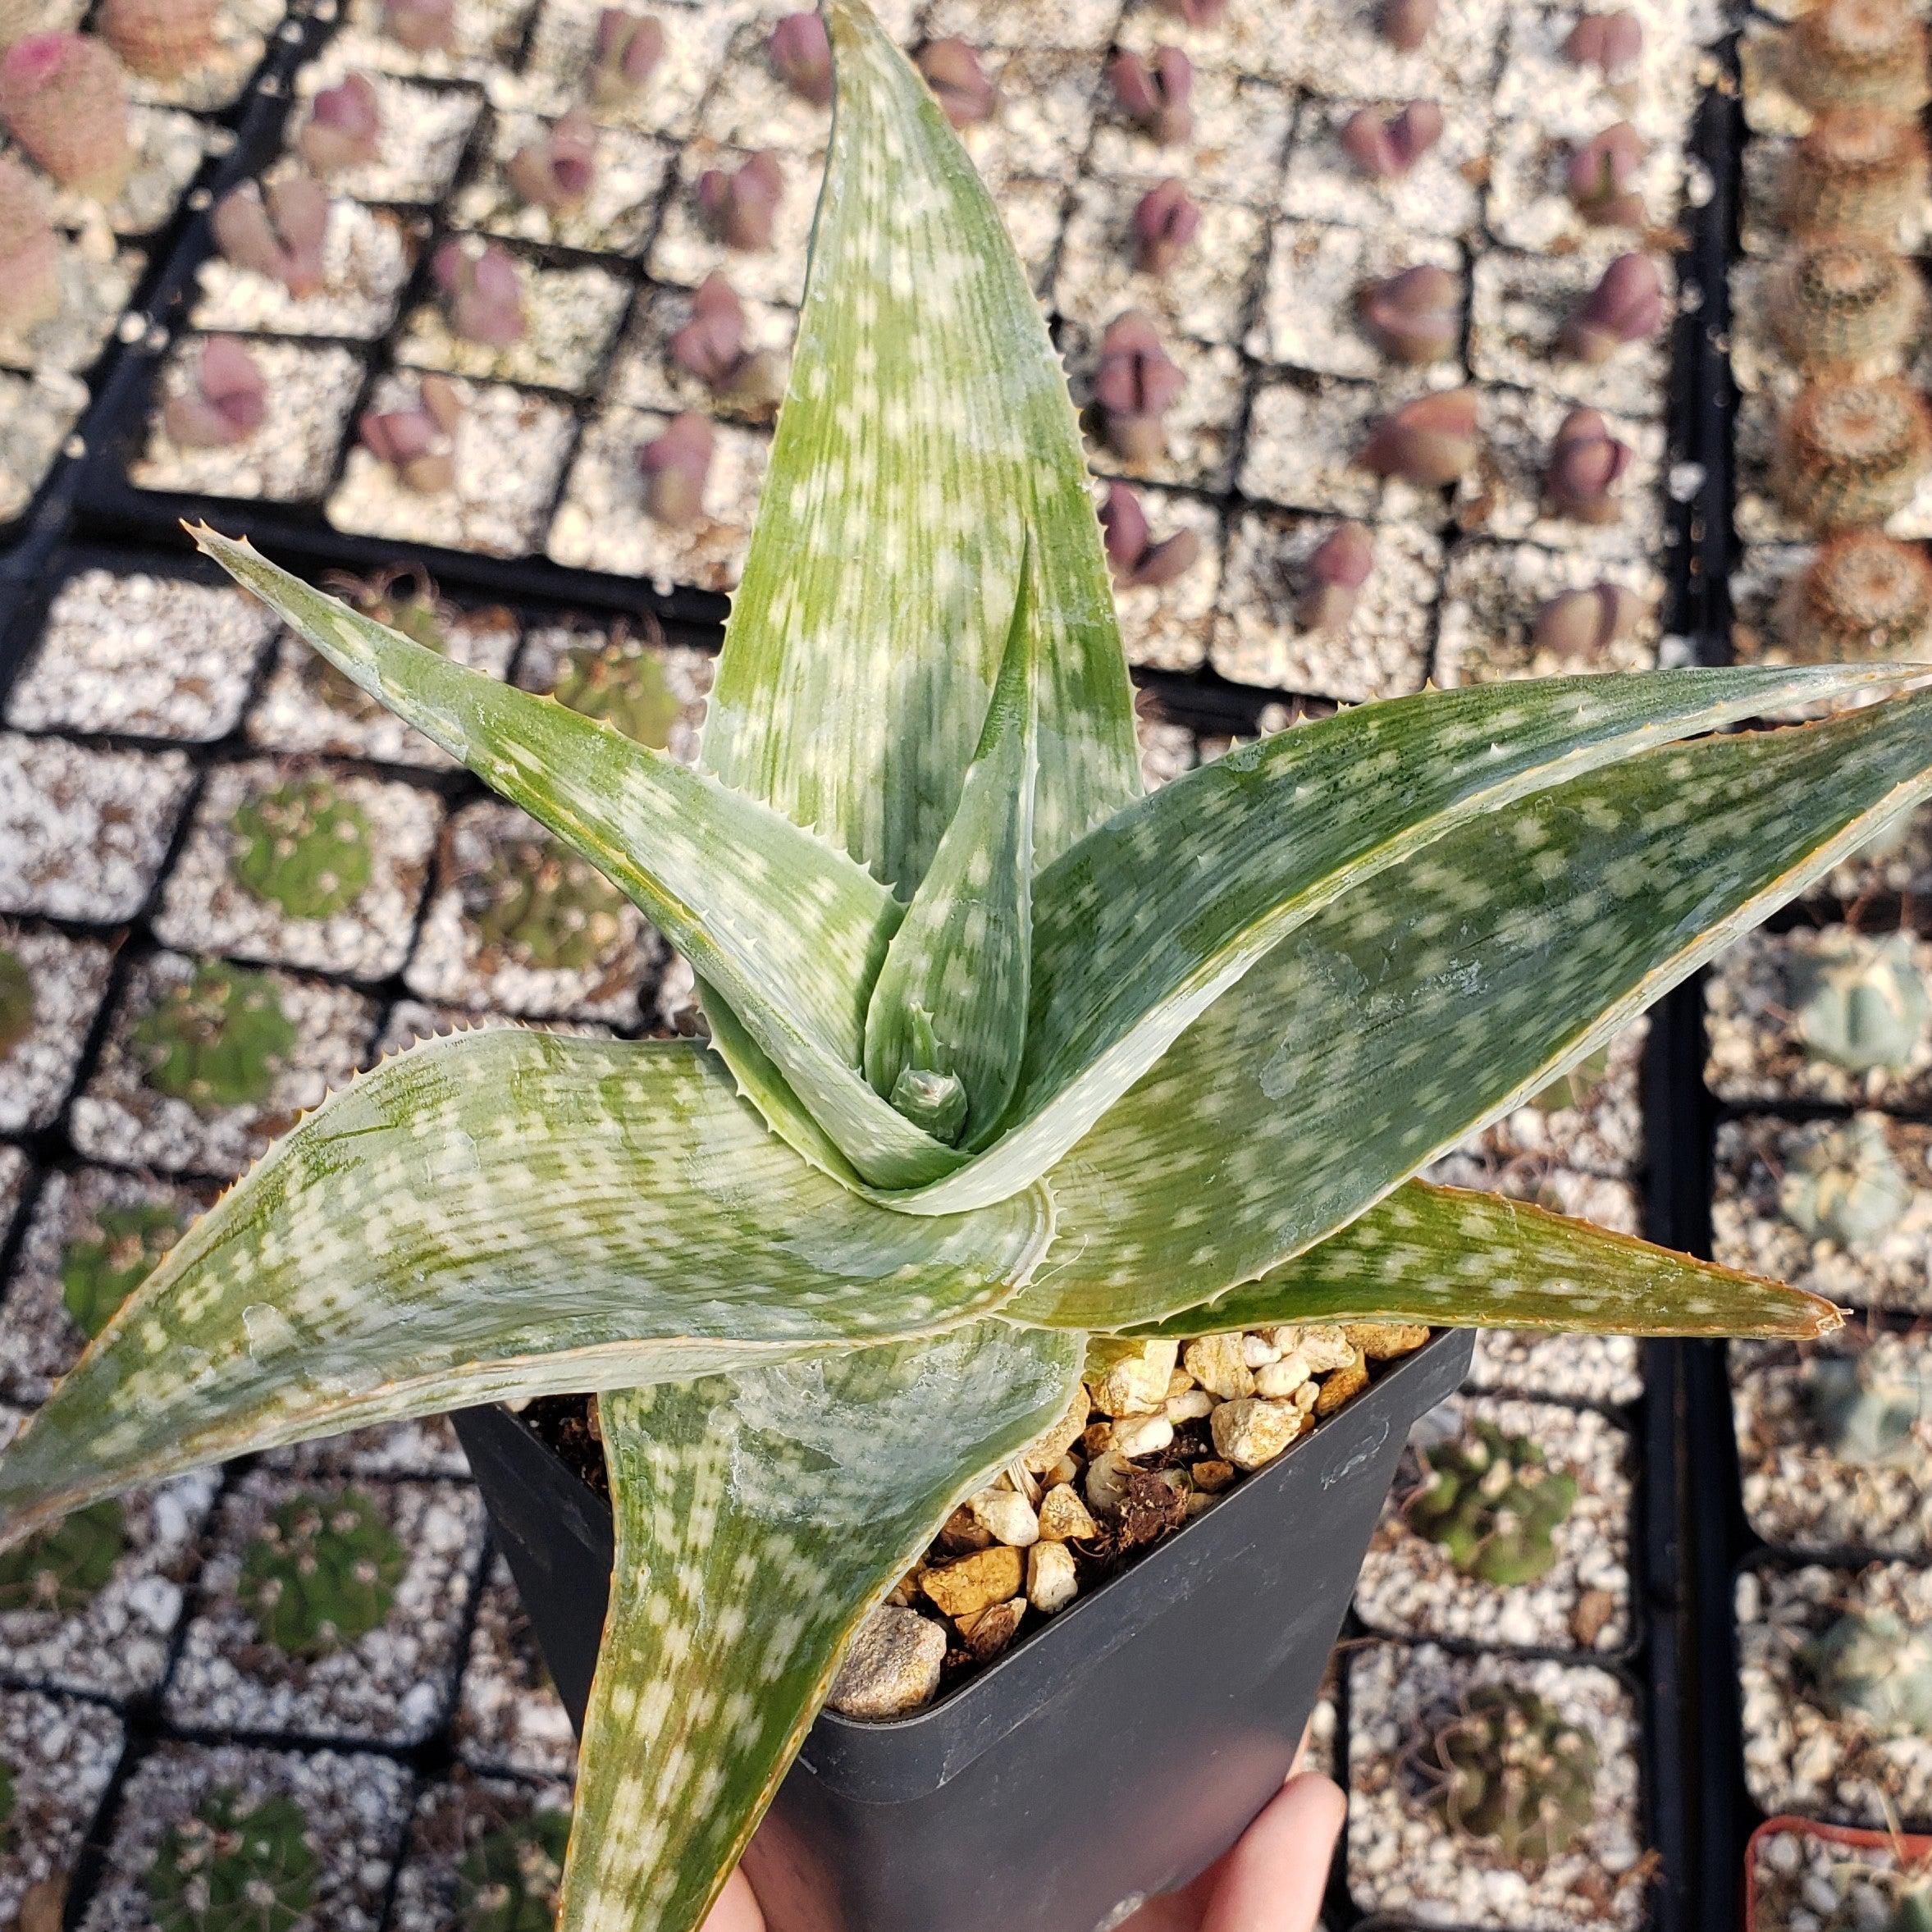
<point>1414,316</point>
<point>64,99</point>
<point>164,39</point>
<point>1868,1407</point>
<point>1134,385</point>
<point>1856,177</point>
<point>1626,306</point>
<point>1132,554</point>
<point>322,1572</point>
<point>1859,55</point>
<point>482,292</point>
<point>1580,626</point>
<point>628,47</point>
<point>1514,1775</point>
<point>556,170</point>
<point>1492,1502</point>
<point>18,1000</point>
<point>1612,42</point>
<point>1861,595</point>
<point>675,464</point>
<point>1852,453</point>
<point>424,26</point>
<point>1874,1669</point>
<point>217,1039</point>
<point>740,205</point>
<point>545,907</point>
<point>303,846</point>
<point>1602,177</point>
<point>1586,469</point>
<point>800,52</point>
<point>59,1571</point>
<point>29,252</point>
<point>278,230</point>
<point>406,600</point>
<point>238,1865</point>
<point>1407,23</point>
<point>224,401</point>
<point>1429,442</point>
<point>623,683</point>
<point>1843,301</point>
<point>1156,93</point>
<point>960,84</point>
<point>1165,220</point>
<point>418,442</point>
<point>508,1881</point>
<point>103,1265</point>
<point>1847,1186</point>
<point>711,346</point>
<point>1332,578</point>
<point>1386,145</point>
<point>344,126</point>
<point>1861,1004</point>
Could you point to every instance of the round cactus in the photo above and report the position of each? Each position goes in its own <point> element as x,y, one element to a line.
<point>1868,1407</point>
<point>1861,1004</point>
<point>1847,1186</point>
<point>1839,304</point>
<point>17,1000</point>
<point>59,1570</point>
<point>304,847</point>
<point>1514,1775</point>
<point>238,1865</point>
<point>218,1040</point>
<point>64,99</point>
<point>508,1882</point>
<point>1492,1502</point>
<point>101,1267</point>
<point>164,39</point>
<point>544,907</point>
<point>406,600</point>
<point>1860,595</point>
<point>1855,176</point>
<point>1872,1668</point>
<point>1867,55</point>
<point>322,1572</point>
<point>1852,453</point>
<point>622,682</point>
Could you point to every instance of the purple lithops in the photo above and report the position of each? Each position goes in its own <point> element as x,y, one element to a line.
<point>1416,316</point>
<point>482,294</point>
<point>1406,24</point>
<point>1626,306</point>
<point>1332,579</point>
<point>1156,93</point>
<point>556,170</point>
<point>64,100</point>
<point>625,54</point>
<point>277,230</point>
<point>1586,469</point>
<point>1581,625</point>
<point>163,39</point>
<point>1429,442</point>
<point>675,466</point>
<point>801,56</point>
<point>952,71</point>
<point>1135,385</point>
<point>1132,554</point>
<point>418,443</point>
<point>1612,42</point>
<point>424,26</point>
<point>711,346</point>
<point>1602,177</point>
<point>1165,220</point>
<point>29,252</point>
<point>344,126</point>
<point>740,205</point>
<point>1384,145</point>
<point>225,401</point>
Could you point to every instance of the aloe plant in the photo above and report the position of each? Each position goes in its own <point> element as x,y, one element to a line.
<point>1003,1056</point>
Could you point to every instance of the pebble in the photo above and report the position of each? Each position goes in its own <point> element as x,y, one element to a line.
<point>1006,1516</point>
<point>1251,1432</point>
<point>1217,1362</point>
<point>1347,1382</point>
<point>1136,1382</point>
<point>1194,1406</point>
<point>1063,1517</point>
<point>1142,1435</point>
<point>975,1583</point>
<point>1212,1475</point>
<point>1052,1447</point>
<point>989,1632</point>
<point>1283,1376</point>
<point>1052,1580</point>
<point>893,1665</point>
<point>1107,1486</point>
<point>1383,1341</point>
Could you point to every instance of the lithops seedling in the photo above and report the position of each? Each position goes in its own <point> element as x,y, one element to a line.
<point>1493,1503</point>
<point>217,1039</point>
<point>1868,1408</point>
<point>1861,1004</point>
<point>1847,1186</point>
<point>100,1267</point>
<point>544,907</point>
<point>1511,1773</point>
<point>303,846</point>
<point>238,1865</point>
<point>1874,1669</point>
<point>508,1881</point>
<point>322,1572</point>
<point>59,1569</point>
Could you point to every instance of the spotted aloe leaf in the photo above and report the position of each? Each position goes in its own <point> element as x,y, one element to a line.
<point>499,1214</point>
<point>758,1519</point>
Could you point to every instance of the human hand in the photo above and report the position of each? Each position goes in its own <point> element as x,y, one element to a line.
<point>1270,1881</point>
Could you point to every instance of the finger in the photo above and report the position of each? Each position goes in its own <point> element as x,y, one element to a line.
<point>1273,1879</point>
<point>737,1911</point>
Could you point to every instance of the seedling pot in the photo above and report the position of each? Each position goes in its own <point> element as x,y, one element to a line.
<point>1108,1757</point>
<point>1851,1838</point>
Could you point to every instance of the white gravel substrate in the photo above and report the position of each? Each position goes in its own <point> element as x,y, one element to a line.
<point>615,218</point>
<point>602,522</point>
<point>1304,433</point>
<point>367,254</point>
<point>451,1820</point>
<point>509,1717</point>
<point>687,673</point>
<point>1610,1203</point>
<point>511,446</point>
<point>204,903</point>
<point>642,375</point>
<point>69,978</point>
<point>311,389</point>
<point>60,1754</point>
<point>1605,1369</point>
<point>1594,1124</point>
<point>1240,137</point>
<point>1384,650</point>
<point>1753,1051</point>
<point>1491,594</point>
<point>131,651</point>
<point>1401,1859</point>
<point>1336,46</point>
<point>1797,1757</point>
<point>571,314</point>
<point>1044,102</point>
<point>389,1686</point>
<point>1749,1231</point>
<point>452,963</point>
<point>425,1447</point>
<point>1440,194</point>
<point>83,832</point>
<point>355,1806</point>
<point>424,131</point>
<point>1800,1880</point>
<point>563,41</point>
<point>685,251</point>
<point>750,106</point>
<point>1165,626</point>
<point>1538,84</point>
<point>486,35</point>
<point>120,1118</point>
<point>1168,751</point>
<point>36,412</point>
<point>301,709</point>
<point>96,280</point>
<point>1409,1587</point>
<point>1202,427</point>
<point>169,149</point>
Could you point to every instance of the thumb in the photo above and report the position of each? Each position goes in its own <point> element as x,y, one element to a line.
<point>1273,1879</point>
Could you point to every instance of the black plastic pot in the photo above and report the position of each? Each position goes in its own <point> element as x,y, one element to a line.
<point>1170,1701</point>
